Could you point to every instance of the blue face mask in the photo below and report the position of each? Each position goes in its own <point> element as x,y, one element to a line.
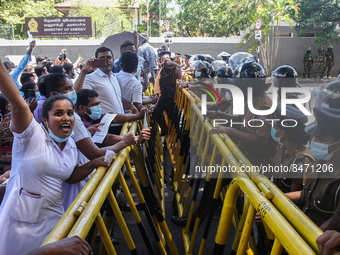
<point>96,112</point>
<point>197,74</point>
<point>37,96</point>
<point>320,150</point>
<point>72,95</point>
<point>273,133</point>
<point>57,138</point>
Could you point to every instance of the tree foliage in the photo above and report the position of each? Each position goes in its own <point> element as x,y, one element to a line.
<point>272,13</point>
<point>14,12</point>
<point>105,20</point>
<point>320,17</point>
<point>166,13</point>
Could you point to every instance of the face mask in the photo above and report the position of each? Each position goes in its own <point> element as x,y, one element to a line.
<point>96,112</point>
<point>197,74</point>
<point>320,150</point>
<point>57,138</point>
<point>273,133</point>
<point>37,96</point>
<point>72,95</point>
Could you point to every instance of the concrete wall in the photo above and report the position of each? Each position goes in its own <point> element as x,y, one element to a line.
<point>291,49</point>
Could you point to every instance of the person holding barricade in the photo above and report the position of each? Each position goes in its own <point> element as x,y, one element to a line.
<point>320,195</point>
<point>293,158</point>
<point>43,157</point>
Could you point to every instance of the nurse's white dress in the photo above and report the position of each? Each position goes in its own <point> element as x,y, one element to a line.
<point>32,205</point>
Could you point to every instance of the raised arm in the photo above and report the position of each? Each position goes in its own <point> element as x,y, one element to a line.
<point>21,114</point>
<point>78,85</point>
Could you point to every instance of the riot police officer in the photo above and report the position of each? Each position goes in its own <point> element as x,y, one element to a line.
<point>319,63</point>
<point>307,62</point>
<point>291,152</point>
<point>329,60</point>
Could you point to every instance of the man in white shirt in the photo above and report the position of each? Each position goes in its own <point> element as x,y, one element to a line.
<point>105,83</point>
<point>131,88</point>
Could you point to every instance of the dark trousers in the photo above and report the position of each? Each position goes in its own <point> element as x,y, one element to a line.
<point>165,103</point>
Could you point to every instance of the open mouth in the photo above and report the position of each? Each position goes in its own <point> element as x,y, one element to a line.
<point>65,127</point>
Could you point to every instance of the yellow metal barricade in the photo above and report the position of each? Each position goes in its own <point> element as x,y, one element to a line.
<point>285,224</point>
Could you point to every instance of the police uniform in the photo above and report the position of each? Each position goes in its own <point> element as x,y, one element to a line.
<point>307,63</point>
<point>322,190</point>
<point>300,159</point>
<point>329,61</point>
<point>319,62</point>
<point>292,162</point>
<point>256,156</point>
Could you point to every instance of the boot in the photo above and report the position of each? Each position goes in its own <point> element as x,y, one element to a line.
<point>308,76</point>
<point>304,76</point>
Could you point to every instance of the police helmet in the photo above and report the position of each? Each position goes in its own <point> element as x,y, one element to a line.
<point>218,63</point>
<point>251,74</point>
<point>223,55</point>
<point>240,57</point>
<point>224,72</point>
<point>330,47</point>
<point>209,58</point>
<point>309,49</point>
<point>320,48</point>
<point>328,96</point>
<point>197,57</point>
<point>288,73</point>
<point>204,66</point>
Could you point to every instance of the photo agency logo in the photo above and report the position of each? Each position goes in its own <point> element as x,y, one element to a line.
<point>238,100</point>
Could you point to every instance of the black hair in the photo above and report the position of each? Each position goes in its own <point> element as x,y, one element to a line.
<point>25,77</point>
<point>48,65</point>
<point>9,65</point>
<point>48,104</point>
<point>53,82</point>
<point>3,103</point>
<point>129,61</point>
<point>41,84</point>
<point>125,44</point>
<point>68,67</point>
<point>26,87</point>
<point>56,69</point>
<point>38,69</point>
<point>40,59</point>
<point>103,49</point>
<point>84,95</point>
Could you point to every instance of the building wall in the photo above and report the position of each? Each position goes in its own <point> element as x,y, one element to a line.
<point>291,49</point>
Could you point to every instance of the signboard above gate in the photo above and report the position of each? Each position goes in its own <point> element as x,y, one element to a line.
<point>59,27</point>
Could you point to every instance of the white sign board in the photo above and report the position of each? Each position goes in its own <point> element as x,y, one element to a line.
<point>258,24</point>
<point>167,25</point>
<point>258,35</point>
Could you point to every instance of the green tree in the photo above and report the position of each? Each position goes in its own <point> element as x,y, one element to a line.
<point>105,20</point>
<point>14,12</point>
<point>208,18</point>
<point>154,16</point>
<point>272,13</point>
<point>320,17</point>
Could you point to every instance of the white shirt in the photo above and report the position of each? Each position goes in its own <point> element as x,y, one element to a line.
<point>132,89</point>
<point>39,167</point>
<point>108,90</point>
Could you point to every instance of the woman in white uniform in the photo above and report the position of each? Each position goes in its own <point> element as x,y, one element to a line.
<point>43,157</point>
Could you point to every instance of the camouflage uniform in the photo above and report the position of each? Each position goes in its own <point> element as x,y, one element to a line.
<point>307,63</point>
<point>329,61</point>
<point>319,62</point>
